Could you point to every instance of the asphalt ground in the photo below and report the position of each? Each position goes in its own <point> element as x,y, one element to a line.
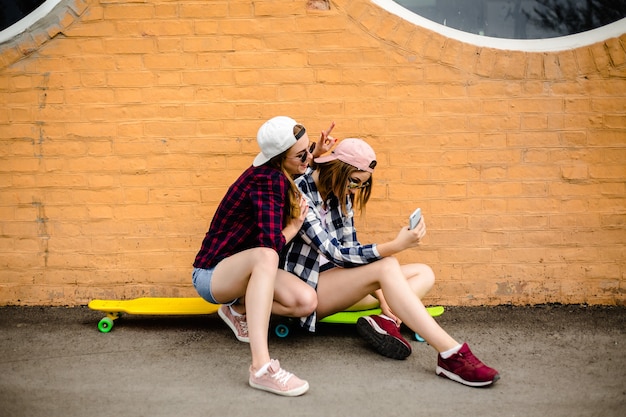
<point>554,361</point>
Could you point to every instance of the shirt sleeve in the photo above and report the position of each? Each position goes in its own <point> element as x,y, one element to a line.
<point>268,202</point>
<point>347,255</point>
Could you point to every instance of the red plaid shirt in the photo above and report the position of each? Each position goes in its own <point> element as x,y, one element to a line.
<point>250,216</point>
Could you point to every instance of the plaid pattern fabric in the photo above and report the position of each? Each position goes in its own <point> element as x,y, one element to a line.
<point>337,242</point>
<point>249,216</point>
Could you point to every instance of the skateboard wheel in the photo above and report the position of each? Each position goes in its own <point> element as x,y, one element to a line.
<point>419,338</point>
<point>281,330</point>
<point>105,325</point>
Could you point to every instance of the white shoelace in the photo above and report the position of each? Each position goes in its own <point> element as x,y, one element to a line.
<point>282,376</point>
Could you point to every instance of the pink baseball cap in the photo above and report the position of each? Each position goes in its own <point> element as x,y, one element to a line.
<point>353,151</point>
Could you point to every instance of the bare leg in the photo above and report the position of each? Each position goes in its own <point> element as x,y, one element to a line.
<point>339,288</point>
<point>252,274</point>
<point>292,297</point>
<point>420,277</point>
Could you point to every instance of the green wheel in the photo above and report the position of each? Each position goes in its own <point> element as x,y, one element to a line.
<point>281,330</point>
<point>105,325</point>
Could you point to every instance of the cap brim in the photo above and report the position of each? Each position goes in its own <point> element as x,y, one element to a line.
<point>325,158</point>
<point>260,159</point>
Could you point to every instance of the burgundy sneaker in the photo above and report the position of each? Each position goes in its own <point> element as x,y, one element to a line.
<point>383,334</point>
<point>466,368</point>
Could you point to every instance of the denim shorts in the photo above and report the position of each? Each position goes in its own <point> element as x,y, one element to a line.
<point>202,282</point>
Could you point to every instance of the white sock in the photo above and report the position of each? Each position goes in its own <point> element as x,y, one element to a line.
<point>233,312</point>
<point>450,352</point>
<point>263,370</point>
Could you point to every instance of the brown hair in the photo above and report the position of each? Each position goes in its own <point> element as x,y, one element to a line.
<point>333,180</point>
<point>292,206</point>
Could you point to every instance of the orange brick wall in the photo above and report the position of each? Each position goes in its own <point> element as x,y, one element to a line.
<point>122,123</point>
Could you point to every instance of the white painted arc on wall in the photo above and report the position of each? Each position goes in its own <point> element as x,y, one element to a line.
<point>562,43</point>
<point>29,20</point>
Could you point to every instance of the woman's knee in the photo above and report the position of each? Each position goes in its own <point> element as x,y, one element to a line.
<point>304,300</point>
<point>306,303</point>
<point>264,257</point>
<point>298,304</point>
<point>426,278</point>
<point>389,265</point>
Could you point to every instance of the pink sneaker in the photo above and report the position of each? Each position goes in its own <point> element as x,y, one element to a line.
<point>237,324</point>
<point>383,334</point>
<point>466,368</point>
<point>275,379</point>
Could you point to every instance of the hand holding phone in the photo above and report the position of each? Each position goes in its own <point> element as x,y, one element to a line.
<point>415,218</point>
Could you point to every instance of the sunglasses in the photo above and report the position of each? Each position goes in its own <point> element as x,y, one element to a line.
<point>305,154</point>
<point>356,185</point>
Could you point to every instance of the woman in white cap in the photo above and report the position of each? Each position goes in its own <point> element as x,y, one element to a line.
<point>237,265</point>
<point>327,255</point>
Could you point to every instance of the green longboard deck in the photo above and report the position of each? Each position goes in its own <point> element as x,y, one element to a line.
<point>349,317</point>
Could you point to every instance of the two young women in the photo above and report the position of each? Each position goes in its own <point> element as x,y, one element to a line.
<point>237,265</point>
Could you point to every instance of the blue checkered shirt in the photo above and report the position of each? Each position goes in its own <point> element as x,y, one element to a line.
<point>337,242</point>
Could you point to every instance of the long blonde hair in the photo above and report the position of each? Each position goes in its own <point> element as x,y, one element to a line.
<point>292,206</point>
<point>333,180</point>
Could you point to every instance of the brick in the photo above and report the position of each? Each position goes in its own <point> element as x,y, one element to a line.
<point>608,105</point>
<point>273,9</point>
<point>551,67</point>
<point>128,11</point>
<point>567,64</point>
<point>545,138</point>
<point>534,66</point>
<point>464,106</point>
<point>601,57</point>
<point>130,46</point>
<point>201,11</point>
<point>485,62</point>
<point>543,105</point>
<point>534,122</point>
<point>173,44</point>
<point>585,61</point>
<point>510,65</point>
<point>433,48</point>
<point>607,172</point>
<point>240,9</point>
<point>206,27</point>
<point>489,89</point>
<point>616,52</point>
<point>208,43</point>
<point>130,79</point>
<point>494,123</point>
<point>575,172</point>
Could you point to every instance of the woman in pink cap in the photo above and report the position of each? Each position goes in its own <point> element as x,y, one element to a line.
<point>237,265</point>
<point>327,255</point>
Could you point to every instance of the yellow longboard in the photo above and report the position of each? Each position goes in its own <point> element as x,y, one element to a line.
<point>191,306</point>
<point>150,306</point>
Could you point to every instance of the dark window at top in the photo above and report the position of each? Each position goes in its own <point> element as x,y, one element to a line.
<point>520,19</point>
<point>12,11</point>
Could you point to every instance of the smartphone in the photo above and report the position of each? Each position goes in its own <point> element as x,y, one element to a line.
<point>415,218</point>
